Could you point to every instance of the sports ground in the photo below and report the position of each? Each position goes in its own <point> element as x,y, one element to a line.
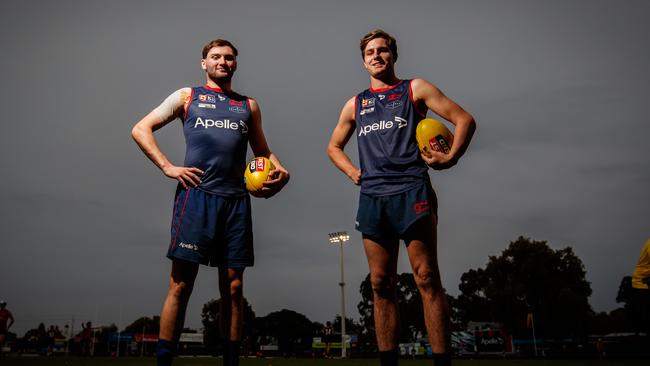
<point>134,361</point>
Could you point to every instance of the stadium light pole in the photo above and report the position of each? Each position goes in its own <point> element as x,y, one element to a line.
<point>340,238</point>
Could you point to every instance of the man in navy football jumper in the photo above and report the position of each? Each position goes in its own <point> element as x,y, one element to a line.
<point>211,222</point>
<point>396,199</point>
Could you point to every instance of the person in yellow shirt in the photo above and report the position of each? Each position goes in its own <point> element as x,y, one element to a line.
<point>641,275</point>
<point>641,290</point>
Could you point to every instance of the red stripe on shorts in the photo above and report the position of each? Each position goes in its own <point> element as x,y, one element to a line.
<point>180,219</point>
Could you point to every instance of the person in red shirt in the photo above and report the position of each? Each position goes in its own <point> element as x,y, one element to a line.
<point>87,339</point>
<point>6,320</point>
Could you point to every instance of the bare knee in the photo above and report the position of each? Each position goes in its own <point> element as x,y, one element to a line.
<point>428,282</point>
<point>236,288</point>
<point>180,290</point>
<point>383,286</point>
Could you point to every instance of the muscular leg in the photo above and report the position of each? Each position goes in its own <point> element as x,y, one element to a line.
<point>382,262</point>
<point>181,283</point>
<point>232,303</point>
<point>422,252</point>
<point>172,316</point>
<point>231,313</point>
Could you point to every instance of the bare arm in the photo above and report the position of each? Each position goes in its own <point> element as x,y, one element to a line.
<point>280,175</point>
<point>340,137</point>
<point>143,135</point>
<point>446,108</point>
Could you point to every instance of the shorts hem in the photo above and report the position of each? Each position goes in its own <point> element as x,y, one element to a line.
<point>408,226</point>
<point>377,235</point>
<point>186,259</point>
<point>235,265</point>
<point>211,264</point>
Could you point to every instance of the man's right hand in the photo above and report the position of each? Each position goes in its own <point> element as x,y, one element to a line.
<point>184,175</point>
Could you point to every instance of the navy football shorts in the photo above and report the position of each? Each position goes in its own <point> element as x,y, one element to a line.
<point>210,229</point>
<point>391,216</point>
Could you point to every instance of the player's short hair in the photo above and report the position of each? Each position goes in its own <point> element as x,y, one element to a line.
<point>218,43</point>
<point>379,33</point>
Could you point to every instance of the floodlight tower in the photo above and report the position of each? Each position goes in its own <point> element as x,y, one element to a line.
<point>340,238</point>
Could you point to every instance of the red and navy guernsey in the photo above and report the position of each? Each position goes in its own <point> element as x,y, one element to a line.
<point>388,153</point>
<point>216,127</point>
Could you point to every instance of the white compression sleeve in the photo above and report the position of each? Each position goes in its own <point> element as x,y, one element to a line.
<point>173,106</point>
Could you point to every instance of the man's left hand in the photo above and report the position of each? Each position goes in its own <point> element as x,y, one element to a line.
<point>279,178</point>
<point>437,160</point>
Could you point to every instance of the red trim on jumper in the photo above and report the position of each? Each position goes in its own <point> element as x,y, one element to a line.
<point>248,101</point>
<point>180,219</point>
<point>212,88</point>
<point>387,88</point>
<point>417,107</point>
<point>186,106</point>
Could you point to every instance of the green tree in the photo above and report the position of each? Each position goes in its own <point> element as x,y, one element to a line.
<point>351,327</point>
<point>411,315</point>
<point>144,325</point>
<point>636,304</point>
<point>293,331</point>
<point>624,294</point>
<point>613,322</point>
<point>529,276</point>
<point>211,329</point>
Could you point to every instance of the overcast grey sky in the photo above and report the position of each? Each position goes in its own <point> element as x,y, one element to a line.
<point>559,90</point>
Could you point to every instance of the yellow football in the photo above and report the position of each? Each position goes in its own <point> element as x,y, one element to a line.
<point>257,171</point>
<point>433,134</point>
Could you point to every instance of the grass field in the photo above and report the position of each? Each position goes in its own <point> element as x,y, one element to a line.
<point>77,361</point>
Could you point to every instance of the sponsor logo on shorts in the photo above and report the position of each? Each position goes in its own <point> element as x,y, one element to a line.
<point>382,125</point>
<point>395,104</point>
<point>237,109</point>
<point>207,98</point>
<point>207,105</point>
<point>189,246</point>
<point>421,207</point>
<point>368,102</point>
<point>367,110</point>
<point>225,124</point>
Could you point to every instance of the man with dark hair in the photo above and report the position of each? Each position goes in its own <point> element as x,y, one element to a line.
<point>397,200</point>
<point>212,215</point>
<point>218,43</point>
